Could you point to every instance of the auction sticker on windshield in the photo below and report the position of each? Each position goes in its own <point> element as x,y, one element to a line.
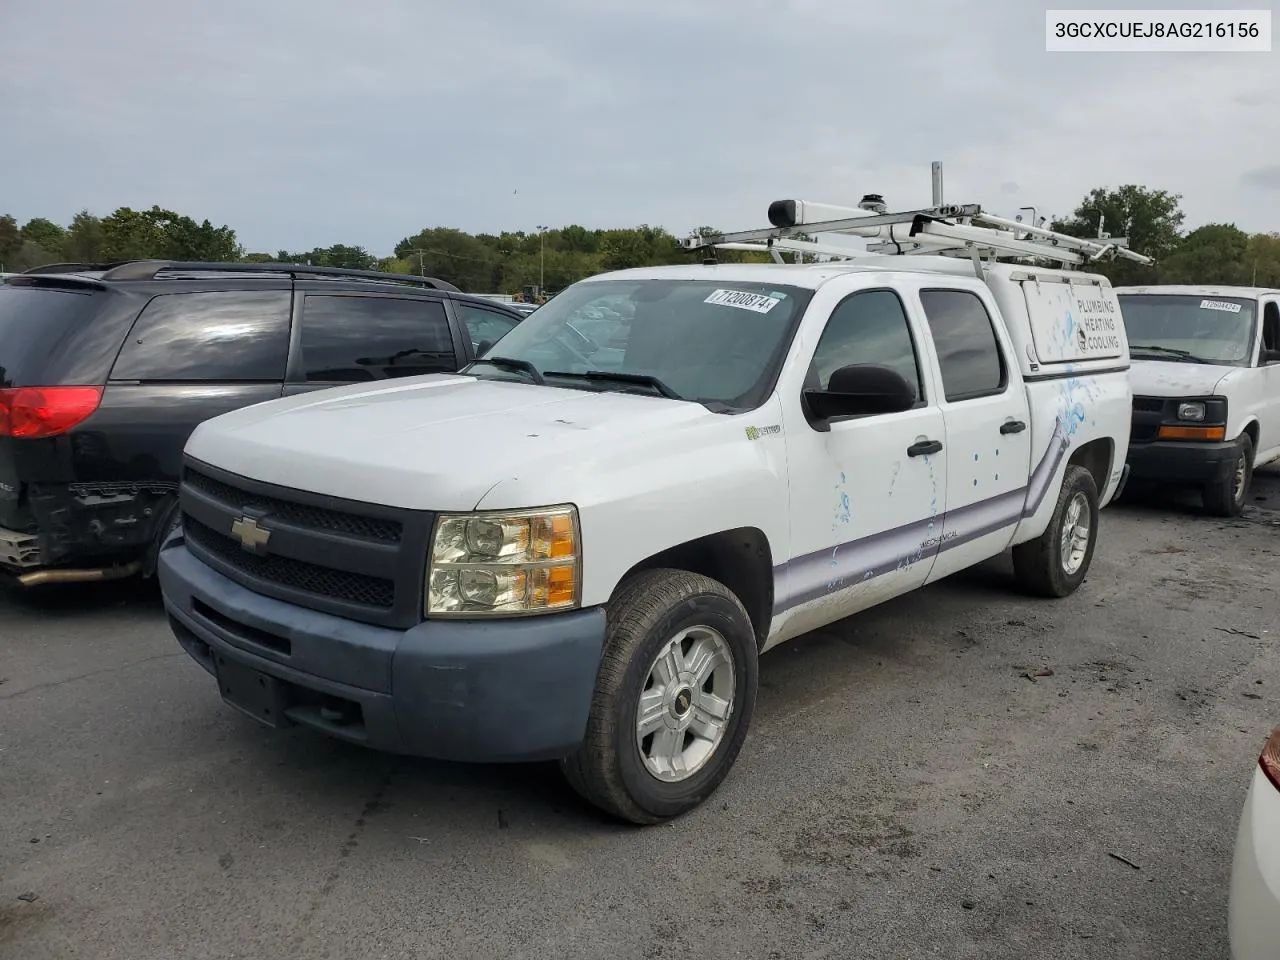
<point>743,301</point>
<point>1220,305</point>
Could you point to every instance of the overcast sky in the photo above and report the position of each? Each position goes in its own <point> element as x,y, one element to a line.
<point>305,123</point>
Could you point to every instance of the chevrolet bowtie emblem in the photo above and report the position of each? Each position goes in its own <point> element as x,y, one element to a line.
<point>251,535</point>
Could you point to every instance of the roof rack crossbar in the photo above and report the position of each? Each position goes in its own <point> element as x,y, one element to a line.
<point>151,269</point>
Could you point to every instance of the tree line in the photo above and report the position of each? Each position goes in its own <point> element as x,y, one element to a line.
<point>1151,220</point>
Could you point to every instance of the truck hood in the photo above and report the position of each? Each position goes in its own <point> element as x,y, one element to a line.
<point>1160,378</point>
<point>438,442</point>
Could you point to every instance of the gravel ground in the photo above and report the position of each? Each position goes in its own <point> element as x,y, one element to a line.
<point>912,788</point>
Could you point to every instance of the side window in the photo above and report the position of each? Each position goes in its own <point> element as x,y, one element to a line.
<point>483,324</point>
<point>869,327</point>
<point>968,352</point>
<point>234,335</point>
<point>1271,326</point>
<point>353,338</point>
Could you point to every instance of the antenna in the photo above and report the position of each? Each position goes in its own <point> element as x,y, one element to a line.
<point>955,230</point>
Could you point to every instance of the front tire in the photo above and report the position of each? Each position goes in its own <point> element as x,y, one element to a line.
<point>674,697</point>
<point>1225,498</point>
<point>1056,562</point>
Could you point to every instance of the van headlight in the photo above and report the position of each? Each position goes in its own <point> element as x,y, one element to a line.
<point>1191,410</point>
<point>509,563</point>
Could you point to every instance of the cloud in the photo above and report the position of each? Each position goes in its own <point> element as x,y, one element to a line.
<point>305,122</point>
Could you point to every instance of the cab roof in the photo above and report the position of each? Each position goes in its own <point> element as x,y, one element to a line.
<point>813,275</point>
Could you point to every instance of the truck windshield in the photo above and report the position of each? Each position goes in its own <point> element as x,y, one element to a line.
<point>1189,329</point>
<point>714,342</point>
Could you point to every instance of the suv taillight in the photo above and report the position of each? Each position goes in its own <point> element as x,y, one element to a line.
<point>1270,759</point>
<point>29,413</point>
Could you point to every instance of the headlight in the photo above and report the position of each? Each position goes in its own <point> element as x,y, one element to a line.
<point>1191,411</point>
<point>504,564</point>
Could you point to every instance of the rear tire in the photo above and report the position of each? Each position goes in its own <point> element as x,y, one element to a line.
<point>1225,498</point>
<point>1056,562</point>
<point>674,697</point>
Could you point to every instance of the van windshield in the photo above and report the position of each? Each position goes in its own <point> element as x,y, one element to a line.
<point>1189,329</point>
<point>714,342</point>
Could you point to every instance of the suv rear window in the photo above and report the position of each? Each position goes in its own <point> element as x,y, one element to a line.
<point>228,336</point>
<point>42,339</point>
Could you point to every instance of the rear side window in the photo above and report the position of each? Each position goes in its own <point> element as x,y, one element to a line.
<point>968,352</point>
<point>233,335</point>
<point>484,325</point>
<point>353,338</point>
<point>44,337</point>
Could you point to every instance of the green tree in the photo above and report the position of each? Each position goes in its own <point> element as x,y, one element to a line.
<point>10,240</point>
<point>85,241</point>
<point>163,234</point>
<point>1262,260</point>
<point>45,234</point>
<point>1214,253</point>
<point>1151,220</point>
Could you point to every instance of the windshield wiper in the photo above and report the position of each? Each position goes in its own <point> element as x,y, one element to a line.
<point>507,363</point>
<point>1169,351</point>
<point>606,376</point>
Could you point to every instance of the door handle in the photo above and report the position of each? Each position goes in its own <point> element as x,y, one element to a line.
<point>1012,426</point>
<point>923,447</point>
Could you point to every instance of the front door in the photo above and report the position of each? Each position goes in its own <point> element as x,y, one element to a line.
<point>867,494</point>
<point>988,429</point>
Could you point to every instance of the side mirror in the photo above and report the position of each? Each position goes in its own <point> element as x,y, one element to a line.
<point>484,347</point>
<point>1270,356</point>
<point>861,389</point>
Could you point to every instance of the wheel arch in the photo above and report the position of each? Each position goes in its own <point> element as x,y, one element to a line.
<point>741,559</point>
<point>1096,456</point>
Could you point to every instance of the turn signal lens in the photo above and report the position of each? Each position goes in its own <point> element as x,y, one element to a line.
<point>1270,759</point>
<point>30,413</point>
<point>1167,432</point>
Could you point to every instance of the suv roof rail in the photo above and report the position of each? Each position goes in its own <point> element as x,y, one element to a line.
<point>151,269</point>
<point>954,230</point>
<point>72,267</point>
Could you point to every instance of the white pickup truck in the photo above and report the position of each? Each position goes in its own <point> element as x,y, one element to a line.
<point>1206,384</point>
<point>578,550</point>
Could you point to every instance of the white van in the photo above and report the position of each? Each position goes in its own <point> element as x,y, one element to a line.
<point>1206,385</point>
<point>579,551</point>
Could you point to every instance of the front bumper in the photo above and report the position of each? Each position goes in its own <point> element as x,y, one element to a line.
<point>1253,906</point>
<point>483,691</point>
<point>1174,461</point>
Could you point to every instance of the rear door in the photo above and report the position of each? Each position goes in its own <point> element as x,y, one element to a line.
<point>348,337</point>
<point>188,357</point>
<point>988,427</point>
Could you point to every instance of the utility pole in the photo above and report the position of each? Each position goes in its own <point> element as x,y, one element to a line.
<point>542,259</point>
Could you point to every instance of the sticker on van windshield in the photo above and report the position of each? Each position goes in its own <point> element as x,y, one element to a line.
<point>757,302</point>
<point>1220,305</point>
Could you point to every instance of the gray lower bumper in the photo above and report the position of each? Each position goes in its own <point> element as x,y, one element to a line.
<point>486,691</point>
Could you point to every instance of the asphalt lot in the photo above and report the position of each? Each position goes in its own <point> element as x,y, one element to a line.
<point>906,792</point>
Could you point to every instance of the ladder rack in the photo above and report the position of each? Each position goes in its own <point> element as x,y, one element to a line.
<point>952,230</point>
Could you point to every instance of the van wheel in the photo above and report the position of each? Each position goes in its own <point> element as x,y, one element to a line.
<point>673,698</point>
<point>1056,562</point>
<point>1225,498</point>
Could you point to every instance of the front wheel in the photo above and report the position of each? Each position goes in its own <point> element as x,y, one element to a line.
<point>673,699</point>
<point>1225,497</point>
<point>1056,562</point>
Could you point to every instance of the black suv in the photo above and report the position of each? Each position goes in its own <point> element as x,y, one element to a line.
<point>106,369</point>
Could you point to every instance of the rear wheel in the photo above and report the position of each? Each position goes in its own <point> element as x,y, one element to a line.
<point>1225,497</point>
<point>1056,562</point>
<point>673,699</point>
